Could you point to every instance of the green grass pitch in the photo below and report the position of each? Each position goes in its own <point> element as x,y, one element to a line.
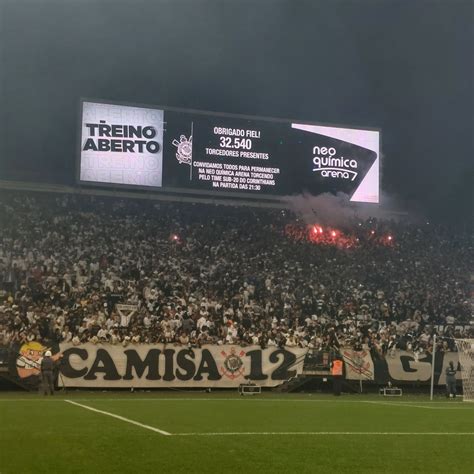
<point>223,432</point>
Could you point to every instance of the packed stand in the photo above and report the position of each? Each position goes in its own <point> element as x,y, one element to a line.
<point>194,274</point>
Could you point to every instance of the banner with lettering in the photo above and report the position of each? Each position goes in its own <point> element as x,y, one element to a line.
<point>399,366</point>
<point>167,365</point>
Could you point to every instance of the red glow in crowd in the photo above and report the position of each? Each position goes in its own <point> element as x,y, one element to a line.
<point>334,237</point>
<point>321,236</point>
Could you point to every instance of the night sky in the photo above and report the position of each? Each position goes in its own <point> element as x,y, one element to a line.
<point>405,66</point>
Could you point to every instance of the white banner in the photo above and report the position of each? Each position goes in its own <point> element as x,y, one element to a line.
<point>358,364</point>
<point>168,365</point>
<point>398,366</point>
<point>404,365</point>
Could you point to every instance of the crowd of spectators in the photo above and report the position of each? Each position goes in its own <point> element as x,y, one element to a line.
<point>195,274</point>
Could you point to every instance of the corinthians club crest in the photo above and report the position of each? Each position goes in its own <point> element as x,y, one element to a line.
<point>233,364</point>
<point>358,362</point>
<point>184,152</point>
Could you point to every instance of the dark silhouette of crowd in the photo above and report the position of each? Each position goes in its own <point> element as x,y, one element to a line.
<point>79,268</point>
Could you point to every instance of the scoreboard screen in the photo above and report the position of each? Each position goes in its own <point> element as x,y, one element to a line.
<point>174,149</point>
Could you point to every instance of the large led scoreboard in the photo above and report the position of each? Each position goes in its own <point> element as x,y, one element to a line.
<point>174,149</point>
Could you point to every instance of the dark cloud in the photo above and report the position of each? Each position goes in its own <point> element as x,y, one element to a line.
<point>404,67</point>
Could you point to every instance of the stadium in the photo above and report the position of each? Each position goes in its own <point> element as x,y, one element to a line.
<point>208,286</point>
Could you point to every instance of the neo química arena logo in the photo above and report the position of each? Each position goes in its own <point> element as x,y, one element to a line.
<point>329,166</point>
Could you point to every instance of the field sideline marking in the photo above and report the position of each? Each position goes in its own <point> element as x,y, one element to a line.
<point>113,415</point>
<point>400,403</point>
<point>411,405</point>
<point>323,433</point>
